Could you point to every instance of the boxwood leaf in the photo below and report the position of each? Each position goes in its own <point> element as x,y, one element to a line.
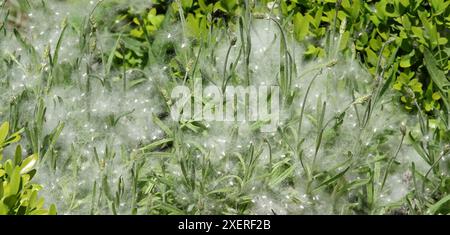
<point>28,164</point>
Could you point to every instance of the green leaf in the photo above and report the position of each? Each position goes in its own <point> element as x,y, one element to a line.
<point>356,8</point>
<point>437,75</point>
<point>136,82</point>
<point>228,5</point>
<point>405,3</point>
<point>405,62</point>
<point>301,27</point>
<point>8,167</point>
<point>18,155</point>
<point>154,18</point>
<point>344,41</point>
<point>137,33</point>
<point>203,6</point>
<point>14,183</point>
<point>58,44</point>
<point>375,20</point>
<point>439,6</point>
<point>156,144</point>
<point>436,96</point>
<point>442,41</point>
<point>398,86</point>
<point>418,147</point>
<point>406,22</point>
<point>372,57</point>
<point>357,183</point>
<point>25,45</point>
<point>107,189</point>
<point>172,210</point>
<point>52,210</point>
<point>279,178</point>
<point>3,209</point>
<point>28,164</point>
<point>430,28</point>
<point>332,179</point>
<point>4,129</point>
<point>375,44</point>
<point>1,185</point>
<point>111,56</point>
<point>438,205</point>
<point>163,126</point>
<point>186,4</point>
<point>418,32</point>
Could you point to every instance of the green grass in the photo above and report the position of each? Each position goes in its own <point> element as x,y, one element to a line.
<point>100,121</point>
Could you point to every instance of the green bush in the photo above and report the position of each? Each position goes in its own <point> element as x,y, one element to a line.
<point>403,31</point>
<point>391,38</point>
<point>18,196</point>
